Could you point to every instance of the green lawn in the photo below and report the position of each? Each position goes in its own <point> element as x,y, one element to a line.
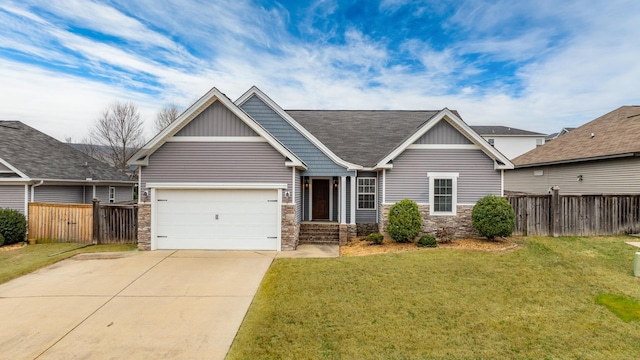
<point>538,302</point>
<point>14,263</point>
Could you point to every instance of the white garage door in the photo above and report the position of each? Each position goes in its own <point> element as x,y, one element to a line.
<point>217,219</point>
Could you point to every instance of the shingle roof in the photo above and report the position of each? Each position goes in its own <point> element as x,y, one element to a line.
<point>40,156</point>
<point>614,134</point>
<point>361,136</point>
<point>503,130</point>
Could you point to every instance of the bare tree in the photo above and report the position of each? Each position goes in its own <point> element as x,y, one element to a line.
<point>119,132</point>
<point>168,114</point>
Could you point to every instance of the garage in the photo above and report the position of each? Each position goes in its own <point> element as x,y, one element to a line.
<point>217,219</point>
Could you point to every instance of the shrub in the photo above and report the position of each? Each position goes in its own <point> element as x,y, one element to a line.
<point>13,226</point>
<point>405,221</point>
<point>493,216</point>
<point>427,241</point>
<point>1,240</point>
<point>375,238</point>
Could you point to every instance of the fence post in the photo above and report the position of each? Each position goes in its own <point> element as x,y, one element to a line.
<point>96,221</point>
<point>555,211</point>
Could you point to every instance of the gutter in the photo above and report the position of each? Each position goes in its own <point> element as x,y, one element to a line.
<point>33,187</point>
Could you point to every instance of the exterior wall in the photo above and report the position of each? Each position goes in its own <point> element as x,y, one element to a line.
<point>59,194</point>
<point>348,199</point>
<point>290,227</point>
<point>443,133</point>
<point>102,194</point>
<point>514,146</point>
<point>460,225</point>
<point>615,176</point>
<point>123,193</point>
<point>408,178</point>
<point>319,164</point>
<point>12,197</point>
<point>144,227</point>
<point>217,162</point>
<point>368,215</point>
<point>299,201</point>
<point>216,120</point>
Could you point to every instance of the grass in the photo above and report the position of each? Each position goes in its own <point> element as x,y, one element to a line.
<point>18,262</point>
<point>625,308</point>
<point>533,303</point>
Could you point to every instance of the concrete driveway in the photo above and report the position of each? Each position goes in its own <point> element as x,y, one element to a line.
<point>138,305</point>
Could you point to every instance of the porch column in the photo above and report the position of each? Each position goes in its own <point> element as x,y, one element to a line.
<point>353,200</point>
<point>343,199</point>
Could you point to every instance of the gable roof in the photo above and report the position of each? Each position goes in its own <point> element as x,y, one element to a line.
<point>503,131</point>
<point>34,155</point>
<point>213,95</point>
<point>559,133</point>
<point>612,135</point>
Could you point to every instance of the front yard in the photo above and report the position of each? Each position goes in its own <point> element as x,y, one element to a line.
<point>535,302</point>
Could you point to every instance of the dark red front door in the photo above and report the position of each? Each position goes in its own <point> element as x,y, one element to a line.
<point>320,199</point>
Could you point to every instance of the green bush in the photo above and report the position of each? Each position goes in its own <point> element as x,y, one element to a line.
<point>13,226</point>
<point>1,240</point>
<point>493,216</point>
<point>375,238</point>
<point>405,221</point>
<point>427,241</point>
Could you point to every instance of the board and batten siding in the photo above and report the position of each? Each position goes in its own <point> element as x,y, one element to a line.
<point>216,162</point>
<point>368,215</point>
<point>408,178</point>
<point>62,194</point>
<point>614,176</point>
<point>12,197</point>
<point>443,133</point>
<point>318,163</point>
<point>216,120</point>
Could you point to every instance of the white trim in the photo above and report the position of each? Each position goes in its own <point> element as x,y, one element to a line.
<point>375,193</point>
<point>26,203</point>
<point>343,199</point>
<point>293,185</point>
<point>384,186</point>
<point>140,190</point>
<point>501,182</point>
<point>154,221</point>
<point>216,139</point>
<point>311,178</point>
<point>16,181</point>
<point>469,133</point>
<point>444,146</point>
<point>353,199</point>
<point>14,169</point>
<point>94,193</point>
<point>192,112</point>
<point>229,186</point>
<point>454,192</point>
<point>278,110</point>
<point>112,200</point>
<point>279,223</point>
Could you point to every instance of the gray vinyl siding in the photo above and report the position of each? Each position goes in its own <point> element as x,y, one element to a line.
<point>305,205</point>
<point>299,201</point>
<point>615,176</point>
<point>336,202</point>
<point>217,162</point>
<point>443,133</point>
<point>88,194</point>
<point>62,194</point>
<point>381,180</point>
<point>408,178</point>
<point>369,215</point>
<point>216,120</point>
<point>319,164</point>
<point>348,199</point>
<point>102,194</point>
<point>124,193</point>
<point>12,197</point>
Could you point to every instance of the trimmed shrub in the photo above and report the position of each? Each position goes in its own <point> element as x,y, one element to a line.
<point>493,216</point>
<point>1,240</point>
<point>427,241</point>
<point>13,226</point>
<point>405,221</point>
<point>375,238</point>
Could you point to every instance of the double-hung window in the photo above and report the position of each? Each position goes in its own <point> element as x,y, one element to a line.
<point>443,193</point>
<point>112,194</point>
<point>366,193</point>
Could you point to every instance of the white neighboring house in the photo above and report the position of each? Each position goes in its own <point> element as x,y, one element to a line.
<point>511,142</point>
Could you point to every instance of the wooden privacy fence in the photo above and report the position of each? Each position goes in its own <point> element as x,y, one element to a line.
<point>577,215</point>
<point>83,223</point>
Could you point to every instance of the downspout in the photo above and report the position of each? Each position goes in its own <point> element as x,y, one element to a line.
<point>33,193</point>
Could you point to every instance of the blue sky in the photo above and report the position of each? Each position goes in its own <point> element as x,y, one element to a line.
<point>537,65</point>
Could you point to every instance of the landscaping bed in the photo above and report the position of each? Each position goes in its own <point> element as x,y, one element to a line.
<point>360,247</point>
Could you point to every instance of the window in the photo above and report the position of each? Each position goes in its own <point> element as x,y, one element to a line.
<point>443,193</point>
<point>112,194</point>
<point>366,193</point>
<point>491,141</point>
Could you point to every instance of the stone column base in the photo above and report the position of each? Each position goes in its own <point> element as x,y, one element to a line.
<point>144,227</point>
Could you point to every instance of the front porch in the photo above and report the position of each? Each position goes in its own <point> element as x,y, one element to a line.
<point>325,232</point>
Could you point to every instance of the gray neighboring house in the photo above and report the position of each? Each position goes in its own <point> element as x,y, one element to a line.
<point>35,167</point>
<point>599,157</point>
<point>510,141</point>
<point>250,175</point>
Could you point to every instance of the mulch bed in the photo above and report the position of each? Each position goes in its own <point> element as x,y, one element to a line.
<point>13,246</point>
<point>361,247</point>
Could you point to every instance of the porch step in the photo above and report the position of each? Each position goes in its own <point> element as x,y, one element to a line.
<point>319,233</point>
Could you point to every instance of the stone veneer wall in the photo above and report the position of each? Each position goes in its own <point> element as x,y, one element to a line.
<point>144,226</point>
<point>460,224</point>
<point>365,229</point>
<point>290,228</point>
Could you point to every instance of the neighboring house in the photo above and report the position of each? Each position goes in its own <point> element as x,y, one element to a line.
<point>510,141</point>
<point>250,175</point>
<point>599,157</point>
<point>35,167</point>
<point>559,133</point>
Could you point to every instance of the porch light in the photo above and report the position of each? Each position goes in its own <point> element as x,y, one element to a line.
<point>335,183</point>
<point>306,183</point>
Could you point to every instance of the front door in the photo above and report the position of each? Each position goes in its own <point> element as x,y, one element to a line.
<point>320,199</point>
